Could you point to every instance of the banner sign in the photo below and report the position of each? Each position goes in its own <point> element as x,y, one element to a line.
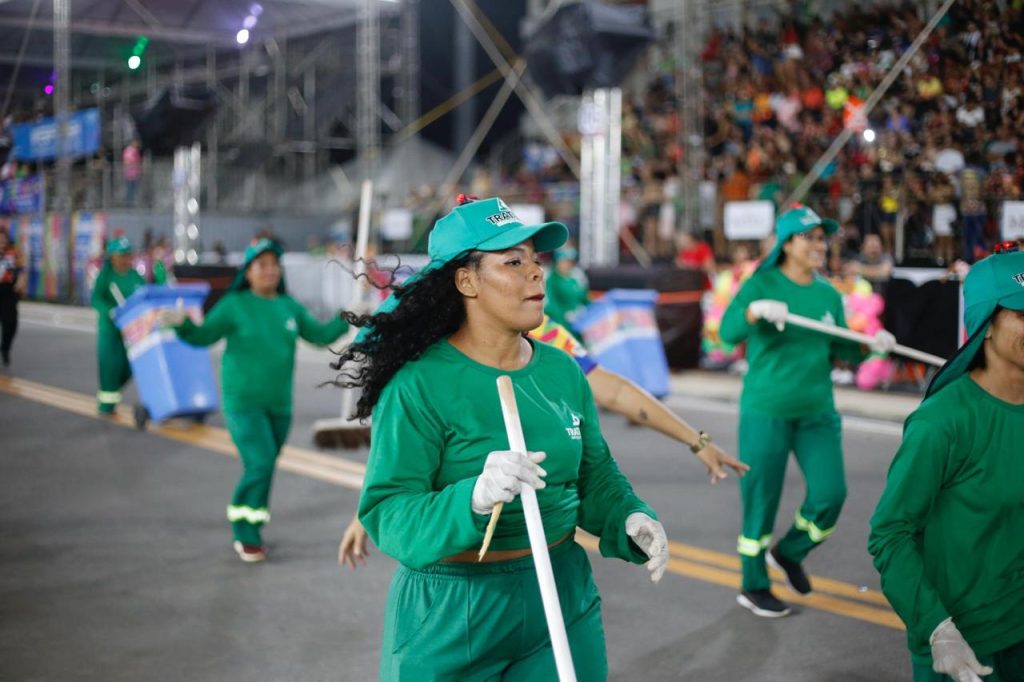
<point>88,234</point>
<point>749,219</point>
<point>37,141</point>
<point>22,196</point>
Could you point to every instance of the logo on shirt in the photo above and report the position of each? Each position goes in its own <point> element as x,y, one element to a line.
<point>1019,278</point>
<point>828,319</point>
<point>290,325</point>
<point>574,430</point>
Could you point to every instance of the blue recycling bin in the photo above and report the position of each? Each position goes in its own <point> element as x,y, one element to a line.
<point>173,378</point>
<point>621,331</point>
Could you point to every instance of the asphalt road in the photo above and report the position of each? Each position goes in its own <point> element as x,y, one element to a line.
<point>116,562</point>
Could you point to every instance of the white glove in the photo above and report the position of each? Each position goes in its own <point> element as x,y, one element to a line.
<point>770,311</point>
<point>953,656</point>
<point>503,477</point>
<point>883,343</point>
<point>171,317</point>
<point>649,535</point>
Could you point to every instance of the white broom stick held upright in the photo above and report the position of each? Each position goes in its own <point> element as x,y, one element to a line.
<point>538,541</point>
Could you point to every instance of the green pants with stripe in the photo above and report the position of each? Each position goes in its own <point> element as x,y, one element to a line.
<point>114,368</point>
<point>259,436</point>
<point>475,622</point>
<point>1007,665</point>
<point>765,444</point>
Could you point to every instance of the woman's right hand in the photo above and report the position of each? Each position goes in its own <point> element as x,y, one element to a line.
<point>503,477</point>
<point>171,317</point>
<point>353,545</point>
<point>773,312</point>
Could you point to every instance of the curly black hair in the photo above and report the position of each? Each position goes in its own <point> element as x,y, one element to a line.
<point>429,309</point>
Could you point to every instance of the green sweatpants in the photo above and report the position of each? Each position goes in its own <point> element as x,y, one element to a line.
<point>1008,665</point>
<point>114,368</point>
<point>476,622</point>
<point>259,436</point>
<point>765,444</point>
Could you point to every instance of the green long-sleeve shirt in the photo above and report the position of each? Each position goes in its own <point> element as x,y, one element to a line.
<point>103,298</point>
<point>258,364</point>
<point>790,372</point>
<point>433,427</point>
<point>948,533</point>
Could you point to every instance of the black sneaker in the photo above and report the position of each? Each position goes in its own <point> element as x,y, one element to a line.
<point>794,572</point>
<point>763,603</point>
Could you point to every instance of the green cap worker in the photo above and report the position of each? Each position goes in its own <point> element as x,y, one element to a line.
<point>262,325</point>
<point>116,281</point>
<point>787,404</point>
<point>566,291</point>
<point>439,462</point>
<point>948,533</point>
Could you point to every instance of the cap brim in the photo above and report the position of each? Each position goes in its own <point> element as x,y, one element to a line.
<point>546,237</point>
<point>957,365</point>
<point>1013,301</point>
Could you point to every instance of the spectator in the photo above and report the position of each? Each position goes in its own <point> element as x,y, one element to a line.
<point>131,162</point>
<point>874,264</point>
<point>695,254</point>
<point>566,291</point>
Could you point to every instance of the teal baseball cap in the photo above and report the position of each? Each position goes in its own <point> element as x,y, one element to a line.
<point>797,219</point>
<point>488,225</point>
<point>119,245</point>
<point>996,281</point>
<point>478,225</point>
<point>256,249</point>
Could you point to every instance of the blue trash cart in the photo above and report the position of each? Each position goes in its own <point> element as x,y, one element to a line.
<point>173,378</point>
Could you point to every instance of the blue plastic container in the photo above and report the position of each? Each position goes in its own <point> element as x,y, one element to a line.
<point>621,332</point>
<point>173,378</point>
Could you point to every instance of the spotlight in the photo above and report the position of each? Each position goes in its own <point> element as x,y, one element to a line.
<point>869,135</point>
<point>242,37</point>
<point>256,9</point>
<point>134,62</point>
<point>48,89</point>
<point>249,22</point>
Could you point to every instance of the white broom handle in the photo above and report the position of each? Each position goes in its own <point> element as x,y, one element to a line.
<point>538,541</point>
<point>363,228</point>
<point>850,335</point>
<point>115,291</point>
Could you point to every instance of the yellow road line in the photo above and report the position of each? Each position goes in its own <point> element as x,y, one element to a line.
<point>833,596</point>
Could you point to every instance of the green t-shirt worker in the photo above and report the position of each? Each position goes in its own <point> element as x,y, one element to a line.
<point>262,325</point>
<point>566,291</point>
<point>439,462</point>
<point>115,283</point>
<point>787,404</point>
<point>948,532</point>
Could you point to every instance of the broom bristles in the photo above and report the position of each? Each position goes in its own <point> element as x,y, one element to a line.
<point>341,435</point>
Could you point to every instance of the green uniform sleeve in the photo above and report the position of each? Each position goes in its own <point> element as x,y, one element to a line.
<point>606,497</point>
<point>102,300</point>
<point>218,324</point>
<point>316,332</point>
<point>400,508</point>
<point>735,328</point>
<point>841,348</point>
<point>915,479</point>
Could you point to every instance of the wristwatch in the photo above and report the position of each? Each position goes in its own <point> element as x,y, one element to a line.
<point>702,442</point>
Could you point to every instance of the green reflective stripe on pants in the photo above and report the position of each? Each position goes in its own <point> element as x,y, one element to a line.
<point>113,397</point>
<point>816,534</point>
<point>478,622</point>
<point>752,547</point>
<point>248,514</point>
<point>259,436</point>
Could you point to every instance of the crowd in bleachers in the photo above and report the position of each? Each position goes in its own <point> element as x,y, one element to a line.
<point>943,152</point>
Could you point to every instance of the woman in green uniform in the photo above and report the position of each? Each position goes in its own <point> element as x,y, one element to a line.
<point>115,283</point>
<point>948,533</point>
<point>262,324</point>
<point>787,404</point>
<point>566,291</point>
<point>439,462</point>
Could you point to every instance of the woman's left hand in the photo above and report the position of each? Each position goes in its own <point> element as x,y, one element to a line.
<point>649,535</point>
<point>715,461</point>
